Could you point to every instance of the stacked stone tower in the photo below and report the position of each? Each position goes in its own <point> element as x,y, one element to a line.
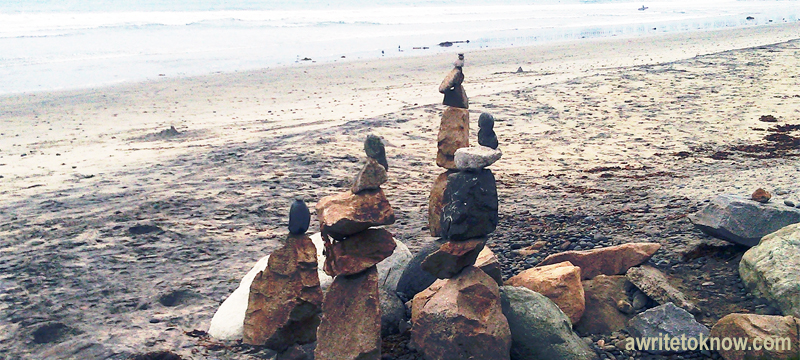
<point>462,309</point>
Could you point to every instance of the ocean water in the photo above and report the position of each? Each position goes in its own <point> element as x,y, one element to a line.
<point>50,45</point>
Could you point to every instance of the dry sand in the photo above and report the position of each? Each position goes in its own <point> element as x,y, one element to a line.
<point>587,127</point>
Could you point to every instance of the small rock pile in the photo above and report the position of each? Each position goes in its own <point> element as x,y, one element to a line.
<point>350,327</point>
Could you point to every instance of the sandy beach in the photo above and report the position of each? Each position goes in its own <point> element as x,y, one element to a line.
<point>633,132</point>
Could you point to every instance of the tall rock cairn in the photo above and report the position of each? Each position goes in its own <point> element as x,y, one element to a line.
<point>285,298</point>
<point>460,316</point>
<point>351,320</point>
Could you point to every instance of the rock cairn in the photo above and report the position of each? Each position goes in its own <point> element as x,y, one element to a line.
<point>350,327</point>
<point>285,298</point>
<point>460,316</point>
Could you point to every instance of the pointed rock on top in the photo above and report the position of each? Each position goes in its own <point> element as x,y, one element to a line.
<point>486,135</point>
<point>454,78</point>
<point>299,217</point>
<point>375,149</point>
<point>371,177</point>
<point>346,213</point>
<point>613,260</point>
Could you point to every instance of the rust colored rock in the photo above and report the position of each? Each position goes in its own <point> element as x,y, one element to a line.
<point>602,315</point>
<point>351,319</point>
<point>359,252</point>
<point>560,283</point>
<point>436,204</point>
<point>489,263</point>
<point>452,257</point>
<point>462,320</point>
<point>779,333</point>
<point>453,135</point>
<point>454,78</point>
<point>285,298</point>
<point>761,195</point>
<point>371,177</point>
<point>613,260</point>
<point>655,285</point>
<point>347,213</point>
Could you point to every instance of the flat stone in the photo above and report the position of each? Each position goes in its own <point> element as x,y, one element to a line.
<point>560,283</point>
<point>347,213</point>
<point>470,205</point>
<point>770,269</point>
<point>666,320</point>
<point>463,319</point>
<point>656,286</point>
<point>453,135</point>
<point>539,329</point>
<point>488,262</point>
<point>601,315</point>
<point>285,298</point>
<point>375,149</point>
<point>371,177</point>
<point>766,328</point>
<point>742,221</point>
<point>612,260</point>
<point>351,321</point>
<point>476,157</point>
<point>299,217</point>
<point>359,252</point>
<point>452,257</point>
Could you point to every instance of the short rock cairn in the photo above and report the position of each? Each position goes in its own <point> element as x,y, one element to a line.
<point>460,315</point>
<point>351,320</point>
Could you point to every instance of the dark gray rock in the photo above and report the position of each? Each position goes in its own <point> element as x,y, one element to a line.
<point>486,135</point>
<point>470,205</point>
<point>539,329</point>
<point>456,97</point>
<point>393,311</point>
<point>666,320</point>
<point>414,278</point>
<point>742,221</point>
<point>374,148</point>
<point>299,217</point>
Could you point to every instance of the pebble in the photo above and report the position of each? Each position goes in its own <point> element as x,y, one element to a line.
<point>788,203</point>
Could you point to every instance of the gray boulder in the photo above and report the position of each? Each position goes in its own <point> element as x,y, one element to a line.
<point>539,329</point>
<point>414,279</point>
<point>770,269</point>
<point>741,220</point>
<point>666,320</point>
<point>393,311</point>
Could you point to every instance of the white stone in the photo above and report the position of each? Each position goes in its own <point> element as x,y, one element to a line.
<point>476,157</point>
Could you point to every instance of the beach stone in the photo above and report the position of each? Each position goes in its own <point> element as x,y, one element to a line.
<point>476,157</point>
<point>414,279</point>
<point>297,352</point>
<point>347,213</point>
<point>299,217</point>
<point>285,298</point>
<point>454,78</point>
<point>436,203</point>
<point>351,321</point>
<point>762,327</point>
<point>359,252</point>
<point>462,320</point>
<point>456,97</point>
<point>488,262</point>
<point>558,282</point>
<point>453,256</point>
<point>761,195</point>
<point>770,269</point>
<point>371,177</point>
<point>655,285</point>
<point>668,320</point>
<point>486,135</point>
<point>375,149</point>
<point>539,329</point>
<point>601,315</point>
<point>742,221</point>
<point>453,135</point>
<point>393,311</point>
<point>612,260</point>
<point>470,205</point>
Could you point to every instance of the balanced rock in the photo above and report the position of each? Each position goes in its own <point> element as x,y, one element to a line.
<point>666,320</point>
<point>462,320</point>
<point>456,97</point>
<point>488,262</point>
<point>613,260</point>
<point>602,316</point>
<point>285,298</point>
<point>371,177</point>
<point>436,203</point>
<point>454,78</point>
<point>558,282</point>
<point>375,149</point>
<point>347,213</point>
<point>741,221</point>
<point>359,252</point>
<point>453,256</point>
<point>351,321</point>
<point>476,157</point>
<point>770,269</point>
<point>486,135</point>
<point>761,195</point>
<point>470,205</point>
<point>453,135</point>
<point>656,286</point>
<point>539,329</point>
<point>299,217</point>
<point>413,279</point>
<point>779,333</point>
